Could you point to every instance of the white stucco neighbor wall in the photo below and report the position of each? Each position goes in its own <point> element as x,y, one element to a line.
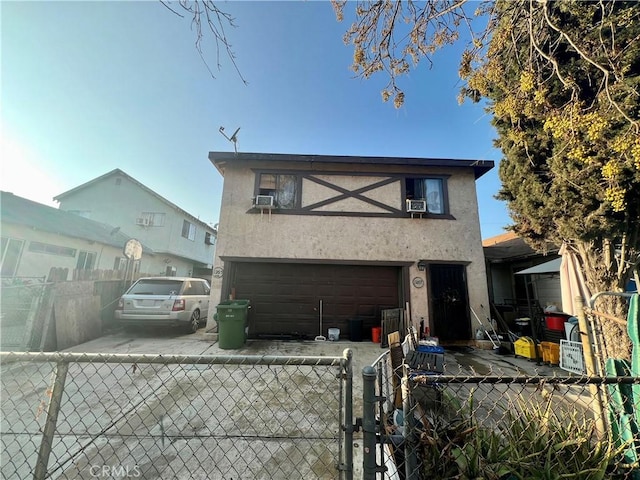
<point>121,203</point>
<point>354,238</point>
<point>35,264</point>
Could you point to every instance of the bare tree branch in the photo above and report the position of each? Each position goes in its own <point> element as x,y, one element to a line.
<point>207,17</point>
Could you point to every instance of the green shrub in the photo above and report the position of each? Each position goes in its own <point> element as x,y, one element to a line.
<point>523,442</point>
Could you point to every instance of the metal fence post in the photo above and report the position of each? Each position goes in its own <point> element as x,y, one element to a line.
<point>348,414</point>
<point>586,336</point>
<point>410,447</point>
<point>369,423</point>
<point>50,424</point>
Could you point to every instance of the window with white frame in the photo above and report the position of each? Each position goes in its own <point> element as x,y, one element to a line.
<point>86,260</point>
<point>120,263</point>
<point>188,230</point>
<point>154,219</point>
<point>11,251</point>
<point>39,247</point>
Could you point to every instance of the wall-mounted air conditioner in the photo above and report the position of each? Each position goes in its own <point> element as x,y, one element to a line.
<point>265,202</point>
<point>416,206</point>
<point>142,221</point>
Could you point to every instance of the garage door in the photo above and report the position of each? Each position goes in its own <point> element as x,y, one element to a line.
<point>285,298</point>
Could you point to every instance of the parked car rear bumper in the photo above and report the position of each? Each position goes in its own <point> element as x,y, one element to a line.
<point>172,319</point>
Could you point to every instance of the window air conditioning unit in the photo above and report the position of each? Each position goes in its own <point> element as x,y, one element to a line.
<point>142,221</point>
<point>264,202</point>
<point>416,206</point>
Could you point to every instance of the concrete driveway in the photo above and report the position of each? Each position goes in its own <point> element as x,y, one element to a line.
<point>169,342</point>
<point>118,416</point>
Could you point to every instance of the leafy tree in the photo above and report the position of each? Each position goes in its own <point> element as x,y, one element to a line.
<point>562,82</point>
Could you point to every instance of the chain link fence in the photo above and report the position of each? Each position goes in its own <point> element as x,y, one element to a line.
<point>20,299</point>
<point>77,416</point>
<point>497,426</point>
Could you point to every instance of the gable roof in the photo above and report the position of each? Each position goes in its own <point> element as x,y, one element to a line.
<point>118,172</point>
<point>220,159</point>
<point>21,211</point>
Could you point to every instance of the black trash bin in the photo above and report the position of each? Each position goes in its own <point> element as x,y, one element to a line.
<point>355,329</point>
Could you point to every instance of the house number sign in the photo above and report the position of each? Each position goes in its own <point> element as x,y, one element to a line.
<point>418,282</point>
<point>217,272</point>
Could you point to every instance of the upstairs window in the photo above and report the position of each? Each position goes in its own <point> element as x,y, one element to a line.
<point>283,188</point>
<point>154,219</point>
<point>188,230</point>
<point>431,190</point>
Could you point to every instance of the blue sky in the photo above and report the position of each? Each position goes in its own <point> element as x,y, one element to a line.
<point>87,87</point>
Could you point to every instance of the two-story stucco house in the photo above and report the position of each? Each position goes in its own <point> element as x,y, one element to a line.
<point>185,243</point>
<point>346,237</point>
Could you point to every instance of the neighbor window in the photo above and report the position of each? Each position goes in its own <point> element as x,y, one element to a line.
<point>432,190</point>
<point>284,189</point>
<point>11,250</point>
<point>170,271</point>
<point>86,260</point>
<point>154,219</point>
<point>188,230</point>
<point>38,247</point>
<point>120,263</point>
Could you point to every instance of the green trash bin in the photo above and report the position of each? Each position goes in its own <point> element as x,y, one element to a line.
<point>231,316</point>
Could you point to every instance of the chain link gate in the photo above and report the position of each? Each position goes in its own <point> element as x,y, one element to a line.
<point>69,415</point>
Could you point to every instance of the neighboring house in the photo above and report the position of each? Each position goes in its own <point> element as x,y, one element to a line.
<point>315,237</point>
<point>516,274</point>
<point>36,238</point>
<point>185,243</point>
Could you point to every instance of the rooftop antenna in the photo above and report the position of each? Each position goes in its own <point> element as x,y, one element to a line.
<point>233,138</point>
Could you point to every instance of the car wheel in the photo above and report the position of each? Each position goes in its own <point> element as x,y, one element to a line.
<point>194,322</point>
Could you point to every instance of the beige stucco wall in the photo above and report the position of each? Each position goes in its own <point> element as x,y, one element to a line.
<point>352,238</point>
<point>313,192</point>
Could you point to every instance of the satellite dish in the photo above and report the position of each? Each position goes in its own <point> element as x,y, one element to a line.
<point>133,249</point>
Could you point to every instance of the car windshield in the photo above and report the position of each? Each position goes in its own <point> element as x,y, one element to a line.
<point>156,287</point>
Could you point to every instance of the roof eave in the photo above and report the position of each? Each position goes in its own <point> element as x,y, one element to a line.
<point>480,167</point>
